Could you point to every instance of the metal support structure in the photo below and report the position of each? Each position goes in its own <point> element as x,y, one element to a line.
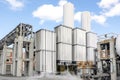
<point>107,59</point>
<point>22,38</point>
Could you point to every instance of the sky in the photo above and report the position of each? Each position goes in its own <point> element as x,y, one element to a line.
<point>47,14</point>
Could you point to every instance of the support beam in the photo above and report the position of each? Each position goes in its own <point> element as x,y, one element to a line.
<point>113,61</point>
<point>4,60</point>
<point>31,58</point>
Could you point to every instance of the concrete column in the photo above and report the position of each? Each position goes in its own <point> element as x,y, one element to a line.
<point>99,61</point>
<point>113,61</point>
<point>31,58</point>
<point>19,56</point>
<point>4,60</point>
<point>14,58</point>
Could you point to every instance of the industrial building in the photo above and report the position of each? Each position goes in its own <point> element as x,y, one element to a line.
<point>77,50</point>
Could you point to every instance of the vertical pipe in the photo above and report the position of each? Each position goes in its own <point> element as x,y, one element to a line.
<point>86,21</point>
<point>68,15</point>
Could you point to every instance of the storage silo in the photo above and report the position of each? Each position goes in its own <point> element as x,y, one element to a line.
<point>68,15</point>
<point>79,44</point>
<point>64,43</point>
<point>91,46</point>
<point>86,21</point>
<point>45,51</point>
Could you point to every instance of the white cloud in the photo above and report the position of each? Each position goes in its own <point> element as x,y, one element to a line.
<point>15,4</point>
<point>77,16</point>
<point>110,8</point>
<point>107,3</point>
<point>99,19</point>
<point>62,2</point>
<point>114,11</point>
<point>50,12</point>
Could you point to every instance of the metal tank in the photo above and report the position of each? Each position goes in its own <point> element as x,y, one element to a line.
<point>91,46</point>
<point>68,15</point>
<point>79,36</point>
<point>45,51</point>
<point>64,47</point>
<point>91,39</point>
<point>79,53</point>
<point>64,43</point>
<point>64,34</point>
<point>64,52</point>
<point>79,44</point>
<point>91,55</point>
<point>86,21</point>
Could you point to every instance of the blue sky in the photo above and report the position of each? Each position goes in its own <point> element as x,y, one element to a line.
<point>47,14</point>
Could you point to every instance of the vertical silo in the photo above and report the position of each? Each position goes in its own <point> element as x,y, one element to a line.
<point>45,51</point>
<point>79,46</point>
<point>64,43</point>
<point>91,46</point>
<point>86,21</point>
<point>68,15</point>
<point>64,37</point>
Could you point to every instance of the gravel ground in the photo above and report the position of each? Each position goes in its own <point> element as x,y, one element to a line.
<point>23,78</point>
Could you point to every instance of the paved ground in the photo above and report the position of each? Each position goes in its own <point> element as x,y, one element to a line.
<point>12,78</point>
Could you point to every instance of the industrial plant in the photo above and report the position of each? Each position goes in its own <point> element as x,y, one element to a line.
<point>76,50</point>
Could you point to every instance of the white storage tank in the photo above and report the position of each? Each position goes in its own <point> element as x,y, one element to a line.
<point>79,36</point>
<point>45,44</point>
<point>91,54</point>
<point>79,53</point>
<point>86,21</point>
<point>64,52</point>
<point>64,34</point>
<point>45,40</point>
<point>46,61</point>
<point>68,15</point>
<point>91,46</point>
<point>64,43</point>
<point>92,39</point>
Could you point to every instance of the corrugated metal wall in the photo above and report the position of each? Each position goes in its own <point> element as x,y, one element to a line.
<point>79,44</point>
<point>91,46</point>
<point>45,51</point>
<point>64,43</point>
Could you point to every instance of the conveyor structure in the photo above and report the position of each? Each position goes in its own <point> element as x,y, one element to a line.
<point>21,30</point>
<point>22,56</point>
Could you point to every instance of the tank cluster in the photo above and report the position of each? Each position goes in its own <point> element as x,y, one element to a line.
<point>67,48</point>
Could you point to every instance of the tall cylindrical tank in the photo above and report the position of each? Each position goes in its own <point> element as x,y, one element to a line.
<point>64,43</point>
<point>79,53</point>
<point>68,15</point>
<point>79,44</point>
<point>91,39</point>
<point>91,54</point>
<point>45,51</point>
<point>79,36</point>
<point>91,46</point>
<point>86,21</point>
